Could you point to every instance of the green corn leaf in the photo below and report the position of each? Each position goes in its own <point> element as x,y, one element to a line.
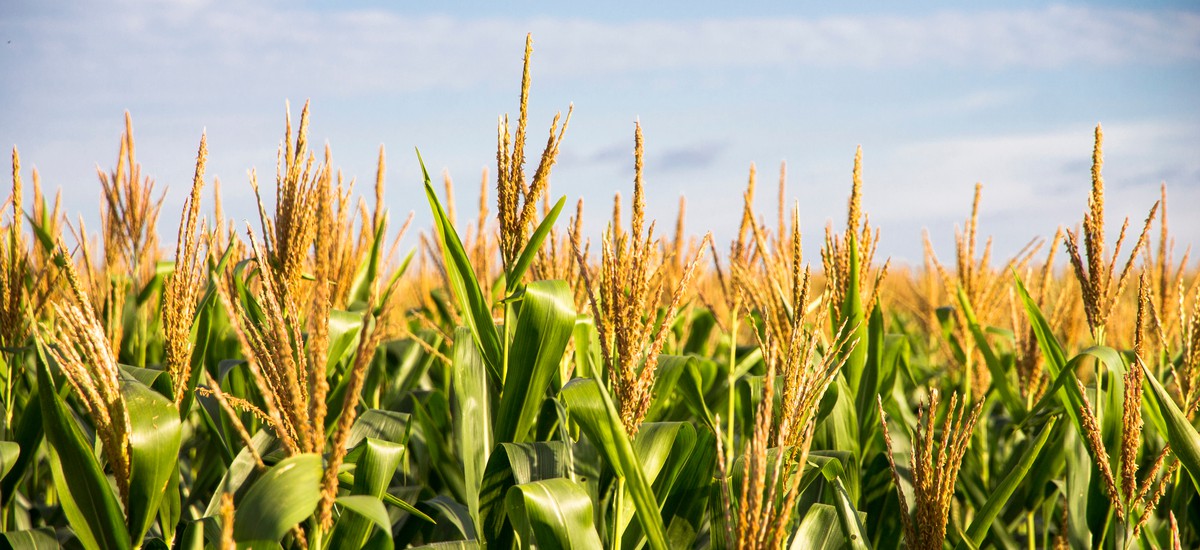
<point>375,463</point>
<point>692,388</point>
<point>666,379</point>
<point>472,416</point>
<point>512,464</point>
<point>683,511</point>
<point>1052,352</point>
<point>88,501</point>
<point>532,246</point>
<point>154,378</point>
<point>368,270</point>
<point>870,379</point>
<point>851,317</point>
<point>196,531</point>
<point>946,321</point>
<point>454,520</point>
<point>240,470</point>
<point>155,434</point>
<point>590,406</point>
<point>43,236</point>
<point>1079,467</point>
<point>827,464</point>
<point>284,496</point>
<point>838,429</point>
<point>171,506</point>
<point>587,347</point>
<point>390,287</point>
<point>700,326</point>
<point>360,507</point>
<point>383,425</point>
<point>1000,375</point>
<point>544,328</point>
<point>243,271</point>
<point>472,305</point>
<point>849,518</point>
<point>747,362</point>
<point>433,430</point>
<point>553,513</point>
<point>9,453</point>
<point>820,530</point>
<point>1000,494</point>
<point>1185,441</point>
<point>1079,487</point>
<point>32,539</point>
<point>451,545</point>
<point>344,330</point>
<point>162,269</point>
<point>28,434</point>
<point>663,449</point>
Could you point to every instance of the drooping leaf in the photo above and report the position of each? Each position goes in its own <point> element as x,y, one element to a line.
<point>453,519</point>
<point>344,330</point>
<point>283,497</point>
<point>367,507</point>
<point>553,513</point>
<point>513,464</point>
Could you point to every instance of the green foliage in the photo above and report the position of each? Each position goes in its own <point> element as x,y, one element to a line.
<point>487,419</point>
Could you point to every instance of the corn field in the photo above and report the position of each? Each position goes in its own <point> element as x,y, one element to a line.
<point>301,382</point>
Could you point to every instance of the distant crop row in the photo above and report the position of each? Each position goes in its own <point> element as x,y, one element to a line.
<point>301,383</point>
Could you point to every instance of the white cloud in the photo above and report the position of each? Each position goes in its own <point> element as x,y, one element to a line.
<point>1033,182</point>
<point>363,51</point>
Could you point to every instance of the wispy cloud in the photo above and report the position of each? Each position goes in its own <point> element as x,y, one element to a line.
<point>689,157</point>
<point>366,51</point>
<point>672,158</point>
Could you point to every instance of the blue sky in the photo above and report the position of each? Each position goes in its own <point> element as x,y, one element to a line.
<point>938,96</point>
